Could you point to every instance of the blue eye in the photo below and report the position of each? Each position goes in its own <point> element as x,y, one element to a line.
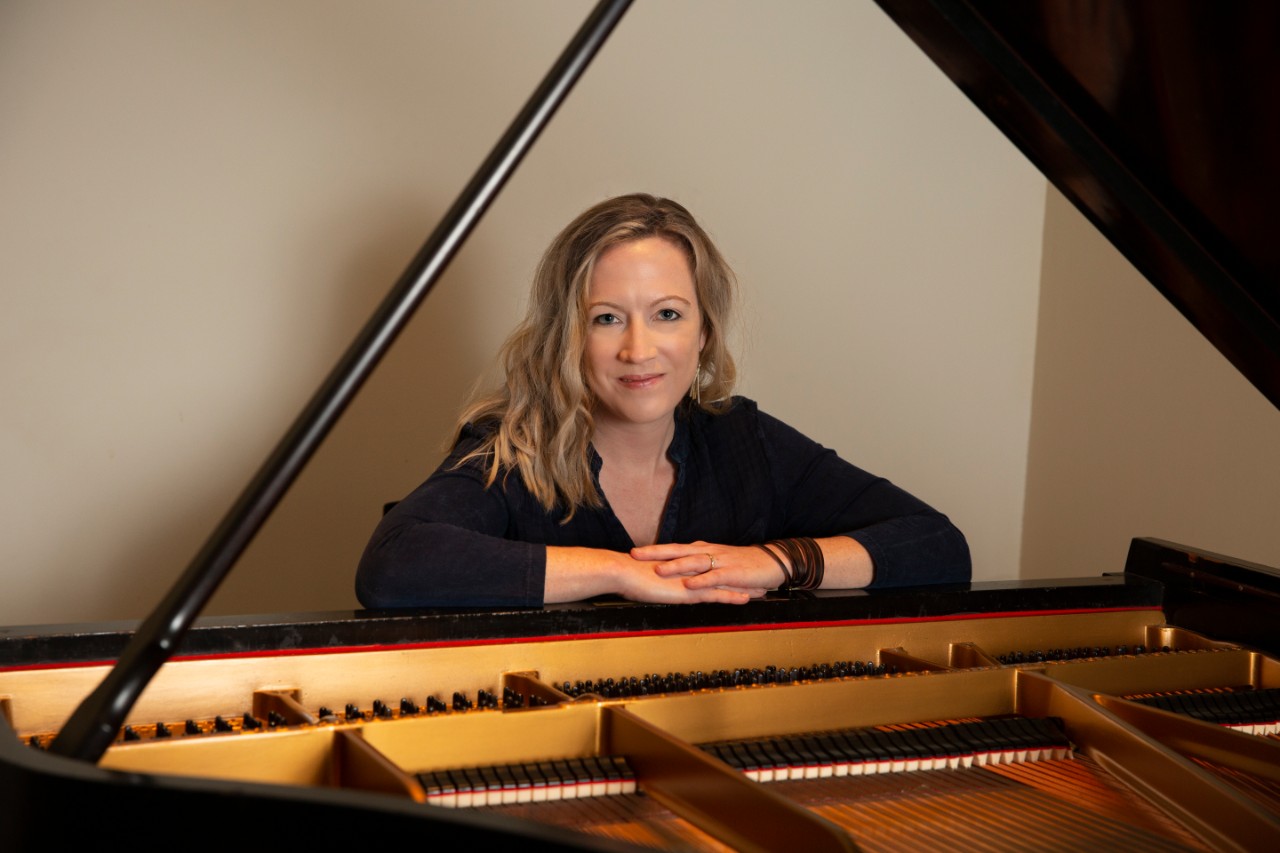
<point>668,314</point>
<point>605,319</point>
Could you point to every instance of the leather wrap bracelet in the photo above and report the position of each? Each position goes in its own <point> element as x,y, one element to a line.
<point>808,565</point>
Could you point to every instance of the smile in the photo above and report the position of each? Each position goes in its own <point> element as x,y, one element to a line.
<point>640,381</point>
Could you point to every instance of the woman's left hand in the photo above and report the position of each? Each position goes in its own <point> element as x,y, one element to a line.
<point>704,565</point>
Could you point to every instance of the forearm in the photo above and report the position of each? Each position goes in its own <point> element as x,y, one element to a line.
<point>835,562</point>
<point>577,573</point>
<point>848,564</point>
<point>915,550</point>
<point>911,551</point>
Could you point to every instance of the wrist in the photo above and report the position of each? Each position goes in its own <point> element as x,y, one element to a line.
<point>801,560</point>
<point>609,572</point>
<point>784,568</point>
<point>575,573</point>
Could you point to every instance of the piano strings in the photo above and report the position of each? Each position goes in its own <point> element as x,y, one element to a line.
<point>844,741</point>
<point>1049,804</point>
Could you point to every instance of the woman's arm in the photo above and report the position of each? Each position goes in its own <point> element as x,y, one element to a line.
<point>871,532</point>
<point>908,542</point>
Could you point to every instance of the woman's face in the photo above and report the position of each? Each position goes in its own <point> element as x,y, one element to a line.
<point>644,332</point>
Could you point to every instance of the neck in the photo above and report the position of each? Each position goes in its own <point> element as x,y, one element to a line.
<point>634,446</point>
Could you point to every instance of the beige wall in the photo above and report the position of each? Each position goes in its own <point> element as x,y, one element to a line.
<point>201,202</point>
<point>1139,426</point>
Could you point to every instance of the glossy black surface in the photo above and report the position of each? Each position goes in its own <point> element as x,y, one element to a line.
<point>229,635</point>
<point>1222,597</point>
<point>1157,119</point>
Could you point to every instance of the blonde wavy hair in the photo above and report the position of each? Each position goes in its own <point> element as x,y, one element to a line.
<point>539,420</point>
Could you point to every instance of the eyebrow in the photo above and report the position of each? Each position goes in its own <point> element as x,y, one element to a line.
<point>658,301</point>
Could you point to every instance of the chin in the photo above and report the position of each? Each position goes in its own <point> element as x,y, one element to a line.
<point>637,415</point>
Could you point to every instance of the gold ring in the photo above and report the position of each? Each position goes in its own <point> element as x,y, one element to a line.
<point>713,562</point>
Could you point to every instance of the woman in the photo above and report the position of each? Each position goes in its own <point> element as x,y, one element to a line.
<point>615,460</point>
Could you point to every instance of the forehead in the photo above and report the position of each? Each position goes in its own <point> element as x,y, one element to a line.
<point>649,267</point>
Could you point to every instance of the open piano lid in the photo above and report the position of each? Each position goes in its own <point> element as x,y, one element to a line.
<point>1157,119</point>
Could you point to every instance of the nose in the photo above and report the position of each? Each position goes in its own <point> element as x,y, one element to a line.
<point>637,344</point>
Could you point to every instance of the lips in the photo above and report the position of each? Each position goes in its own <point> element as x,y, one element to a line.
<point>640,381</point>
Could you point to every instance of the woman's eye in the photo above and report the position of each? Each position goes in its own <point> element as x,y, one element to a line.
<point>605,319</point>
<point>668,314</point>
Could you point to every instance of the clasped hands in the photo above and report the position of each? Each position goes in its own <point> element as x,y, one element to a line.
<point>709,572</point>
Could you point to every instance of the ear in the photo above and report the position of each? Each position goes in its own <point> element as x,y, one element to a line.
<point>702,339</point>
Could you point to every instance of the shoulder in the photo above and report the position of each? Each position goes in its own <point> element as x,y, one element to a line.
<point>742,436</point>
<point>735,413</point>
<point>741,419</point>
<point>471,456</point>
<point>472,441</point>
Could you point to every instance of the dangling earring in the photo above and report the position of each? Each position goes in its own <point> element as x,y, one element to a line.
<point>695,392</point>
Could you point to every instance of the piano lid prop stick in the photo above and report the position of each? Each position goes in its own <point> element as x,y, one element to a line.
<point>93,725</point>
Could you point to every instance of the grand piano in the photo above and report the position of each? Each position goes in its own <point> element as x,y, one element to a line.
<point>1125,710</point>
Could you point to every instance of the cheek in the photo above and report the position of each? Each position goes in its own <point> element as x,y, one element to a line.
<point>593,357</point>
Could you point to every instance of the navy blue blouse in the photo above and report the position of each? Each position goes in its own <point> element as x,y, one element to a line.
<point>742,477</point>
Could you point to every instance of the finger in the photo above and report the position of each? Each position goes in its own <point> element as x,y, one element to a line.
<point>694,564</point>
<point>732,578</point>
<point>750,591</point>
<point>717,595</point>
<point>668,550</point>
